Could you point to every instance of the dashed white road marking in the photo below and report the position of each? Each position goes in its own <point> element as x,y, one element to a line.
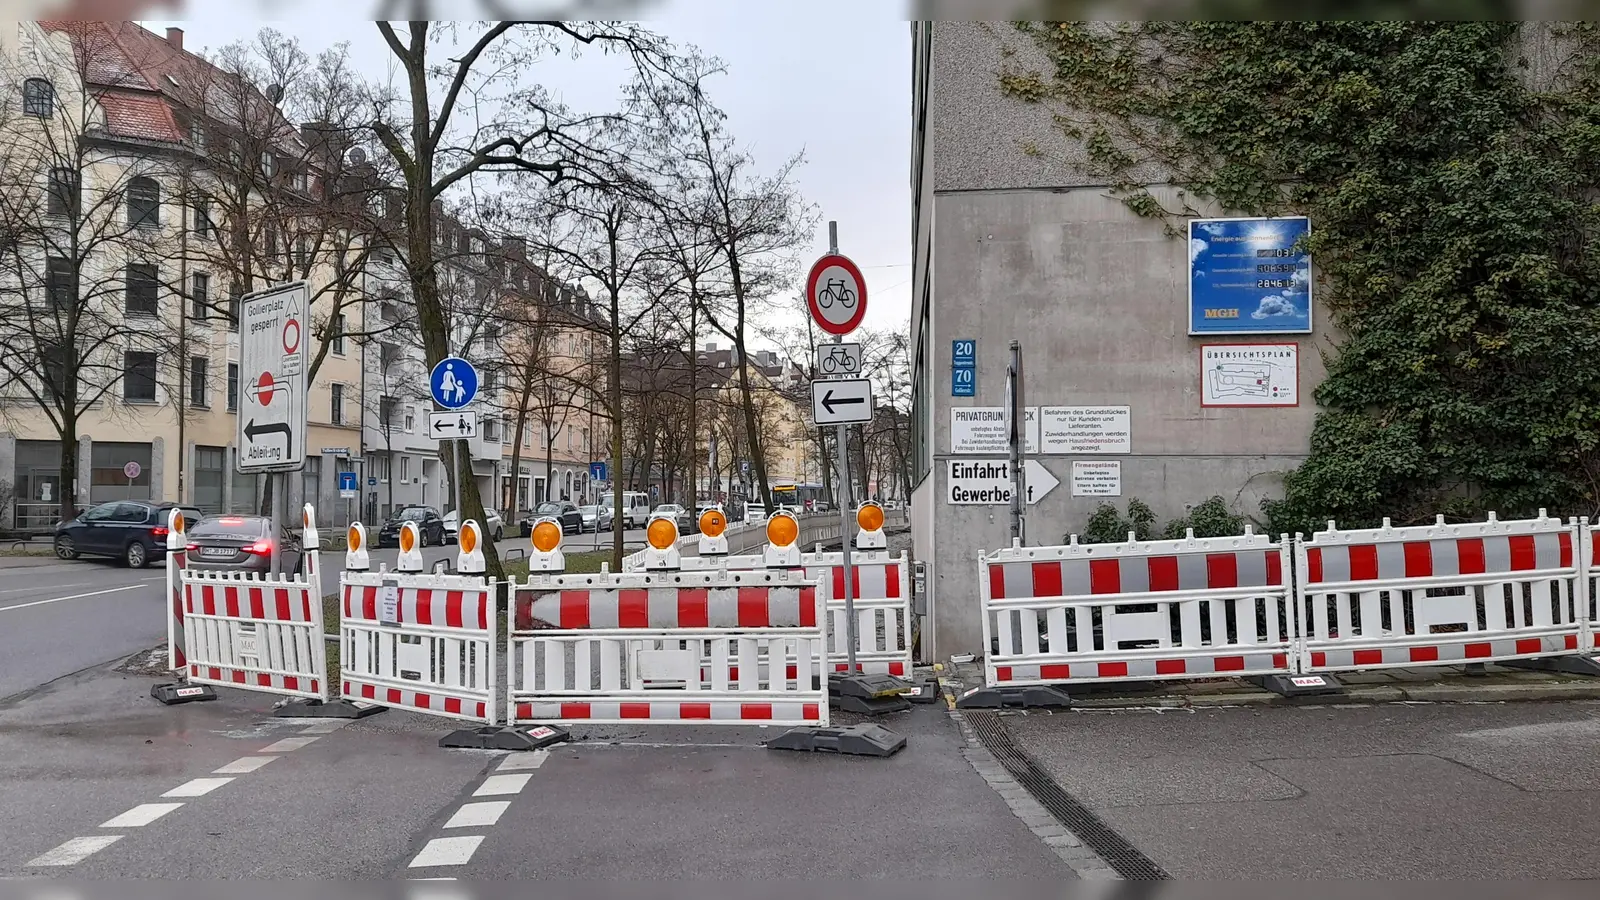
<point>288,744</point>
<point>75,851</point>
<point>478,815</point>
<point>500,785</point>
<point>451,851</point>
<point>517,762</point>
<point>244,765</point>
<point>141,815</point>
<point>198,787</point>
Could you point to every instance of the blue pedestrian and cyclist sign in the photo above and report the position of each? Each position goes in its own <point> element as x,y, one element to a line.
<point>1249,276</point>
<point>453,382</point>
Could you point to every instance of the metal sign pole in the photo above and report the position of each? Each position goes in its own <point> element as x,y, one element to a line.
<point>1017,437</point>
<point>278,488</point>
<point>844,510</point>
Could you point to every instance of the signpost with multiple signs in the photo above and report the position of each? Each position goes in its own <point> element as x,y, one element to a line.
<point>274,361</point>
<point>836,295</point>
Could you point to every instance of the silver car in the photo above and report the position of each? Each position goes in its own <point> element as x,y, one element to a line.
<point>235,543</point>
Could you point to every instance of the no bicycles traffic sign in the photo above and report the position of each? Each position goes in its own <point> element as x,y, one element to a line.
<point>836,294</point>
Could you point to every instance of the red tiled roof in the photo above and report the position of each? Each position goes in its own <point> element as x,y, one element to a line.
<point>140,118</point>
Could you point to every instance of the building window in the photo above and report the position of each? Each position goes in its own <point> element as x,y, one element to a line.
<point>58,293</point>
<point>139,376</point>
<point>302,250</point>
<point>233,386</point>
<point>144,202</point>
<point>337,404</point>
<point>491,431</point>
<point>53,358</point>
<point>386,411</point>
<point>63,193</point>
<point>202,219</point>
<point>411,420</point>
<point>200,295</point>
<point>405,469</point>
<point>235,297</point>
<point>197,136</point>
<point>197,380</point>
<point>338,334</point>
<point>140,289</point>
<point>38,98</point>
<point>269,164</point>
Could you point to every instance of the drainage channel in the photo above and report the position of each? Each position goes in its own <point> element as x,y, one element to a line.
<point>1112,847</point>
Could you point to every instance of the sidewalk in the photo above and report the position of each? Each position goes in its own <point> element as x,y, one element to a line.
<point>1434,684</point>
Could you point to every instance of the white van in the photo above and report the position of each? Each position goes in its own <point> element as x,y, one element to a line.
<point>635,508</point>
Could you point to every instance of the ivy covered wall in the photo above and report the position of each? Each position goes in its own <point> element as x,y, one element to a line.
<point>1450,173</point>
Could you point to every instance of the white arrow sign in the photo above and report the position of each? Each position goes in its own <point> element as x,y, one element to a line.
<point>841,402</point>
<point>450,425</point>
<point>987,482</point>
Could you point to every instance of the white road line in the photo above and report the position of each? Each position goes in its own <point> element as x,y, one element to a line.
<point>500,785</point>
<point>75,851</point>
<point>517,762</point>
<point>452,851</point>
<point>199,787</point>
<point>478,815</point>
<point>244,765</point>
<point>287,744</point>
<point>141,815</point>
<point>72,597</point>
<point>55,587</point>
<point>326,727</point>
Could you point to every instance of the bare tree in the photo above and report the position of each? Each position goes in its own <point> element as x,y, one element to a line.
<point>475,113</point>
<point>86,243</point>
<point>756,223</point>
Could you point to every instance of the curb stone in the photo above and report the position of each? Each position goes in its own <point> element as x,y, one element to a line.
<point>1084,862</point>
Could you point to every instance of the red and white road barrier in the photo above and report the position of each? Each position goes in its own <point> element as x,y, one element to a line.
<point>1442,594</point>
<point>252,632</point>
<point>1139,610</point>
<point>630,647</point>
<point>419,641</point>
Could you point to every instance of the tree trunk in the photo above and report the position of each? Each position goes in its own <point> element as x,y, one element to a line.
<point>67,503</point>
<point>614,389</point>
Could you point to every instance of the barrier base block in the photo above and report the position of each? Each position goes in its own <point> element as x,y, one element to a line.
<point>302,708</point>
<point>1570,665</point>
<point>1298,685</point>
<point>173,694</point>
<point>1017,696</point>
<point>870,695</point>
<point>865,739</point>
<point>501,737</point>
<point>925,691</point>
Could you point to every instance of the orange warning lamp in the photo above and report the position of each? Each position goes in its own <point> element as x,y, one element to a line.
<point>782,529</point>
<point>713,523</point>
<point>408,537</point>
<point>352,539</point>
<point>662,533</point>
<point>546,536</point>
<point>177,521</point>
<point>468,539</point>
<point>870,517</point>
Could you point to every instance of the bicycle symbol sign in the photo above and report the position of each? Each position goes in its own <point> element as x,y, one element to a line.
<point>836,294</point>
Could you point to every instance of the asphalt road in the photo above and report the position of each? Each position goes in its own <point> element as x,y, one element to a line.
<point>99,776</point>
<point>61,617</point>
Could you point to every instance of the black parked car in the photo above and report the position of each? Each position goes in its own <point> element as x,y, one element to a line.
<point>568,514</point>
<point>134,531</point>
<point>430,526</point>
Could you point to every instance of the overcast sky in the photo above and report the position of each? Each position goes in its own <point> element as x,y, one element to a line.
<point>830,77</point>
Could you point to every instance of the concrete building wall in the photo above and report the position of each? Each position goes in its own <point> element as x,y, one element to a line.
<point>1016,240</point>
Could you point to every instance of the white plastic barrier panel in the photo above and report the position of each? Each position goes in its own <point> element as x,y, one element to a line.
<point>258,633</point>
<point>689,647</point>
<point>420,642</point>
<point>881,588</point>
<point>1440,594</point>
<point>1138,610</point>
